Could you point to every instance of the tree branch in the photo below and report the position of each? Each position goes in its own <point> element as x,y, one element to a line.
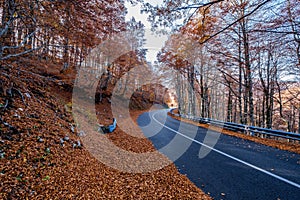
<point>270,31</point>
<point>197,6</point>
<point>21,44</point>
<point>236,21</point>
<point>20,54</point>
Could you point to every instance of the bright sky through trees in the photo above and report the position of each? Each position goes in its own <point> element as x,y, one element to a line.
<point>154,42</point>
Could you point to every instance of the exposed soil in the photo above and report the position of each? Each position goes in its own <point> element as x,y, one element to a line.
<point>42,156</point>
<point>279,144</point>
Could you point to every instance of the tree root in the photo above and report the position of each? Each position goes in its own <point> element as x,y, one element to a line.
<point>9,93</point>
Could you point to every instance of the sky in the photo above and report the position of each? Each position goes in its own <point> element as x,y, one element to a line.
<point>153,42</point>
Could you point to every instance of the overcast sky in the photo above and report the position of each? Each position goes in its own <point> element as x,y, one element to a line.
<point>154,42</point>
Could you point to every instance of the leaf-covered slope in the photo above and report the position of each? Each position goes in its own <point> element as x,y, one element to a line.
<point>42,157</point>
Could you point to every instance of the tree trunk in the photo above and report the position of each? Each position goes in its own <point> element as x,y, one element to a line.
<point>299,120</point>
<point>249,97</point>
<point>66,56</point>
<point>240,81</point>
<point>229,107</point>
<point>235,111</point>
<point>267,89</point>
<point>8,10</point>
<point>263,111</point>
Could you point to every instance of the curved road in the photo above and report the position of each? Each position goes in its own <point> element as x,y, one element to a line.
<point>233,168</point>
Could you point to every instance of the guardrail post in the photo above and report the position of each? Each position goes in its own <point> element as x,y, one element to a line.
<point>247,130</point>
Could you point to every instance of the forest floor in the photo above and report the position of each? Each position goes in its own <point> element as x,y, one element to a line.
<point>279,144</point>
<point>42,155</point>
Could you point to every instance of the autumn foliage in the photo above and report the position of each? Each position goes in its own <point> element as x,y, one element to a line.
<point>242,54</point>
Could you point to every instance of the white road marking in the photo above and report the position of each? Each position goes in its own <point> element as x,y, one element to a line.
<point>229,156</point>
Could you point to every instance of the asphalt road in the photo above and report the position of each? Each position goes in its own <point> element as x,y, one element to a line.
<point>226,167</point>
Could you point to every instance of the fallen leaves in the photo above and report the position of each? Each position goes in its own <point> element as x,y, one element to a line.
<point>34,164</point>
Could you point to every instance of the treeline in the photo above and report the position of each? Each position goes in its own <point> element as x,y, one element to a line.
<point>239,62</point>
<point>110,64</point>
<point>72,34</point>
<point>60,31</point>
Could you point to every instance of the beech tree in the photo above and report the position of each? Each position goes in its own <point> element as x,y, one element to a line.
<point>18,21</point>
<point>254,47</point>
<point>59,30</point>
<point>235,58</point>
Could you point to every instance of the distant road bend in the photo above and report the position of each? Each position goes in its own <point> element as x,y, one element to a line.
<point>234,168</point>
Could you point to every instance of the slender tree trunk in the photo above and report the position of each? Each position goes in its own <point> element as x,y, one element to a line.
<point>259,113</point>
<point>293,123</point>
<point>203,111</point>
<point>235,111</point>
<point>240,81</point>
<point>229,107</point>
<point>208,101</point>
<point>192,92</point>
<point>267,89</point>
<point>66,56</point>
<point>299,120</point>
<point>249,98</point>
<point>8,10</point>
<point>263,111</point>
<point>32,26</point>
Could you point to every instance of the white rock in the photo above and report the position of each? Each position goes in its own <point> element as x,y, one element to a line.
<point>81,134</point>
<point>28,95</point>
<point>66,138</point>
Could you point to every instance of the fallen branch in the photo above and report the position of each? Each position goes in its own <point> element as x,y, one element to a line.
<point>15,130</point>
<point>5,106</point>
<point>21,95</point>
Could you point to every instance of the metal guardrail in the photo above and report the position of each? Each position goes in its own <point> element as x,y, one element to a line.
<point>249,130</point>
